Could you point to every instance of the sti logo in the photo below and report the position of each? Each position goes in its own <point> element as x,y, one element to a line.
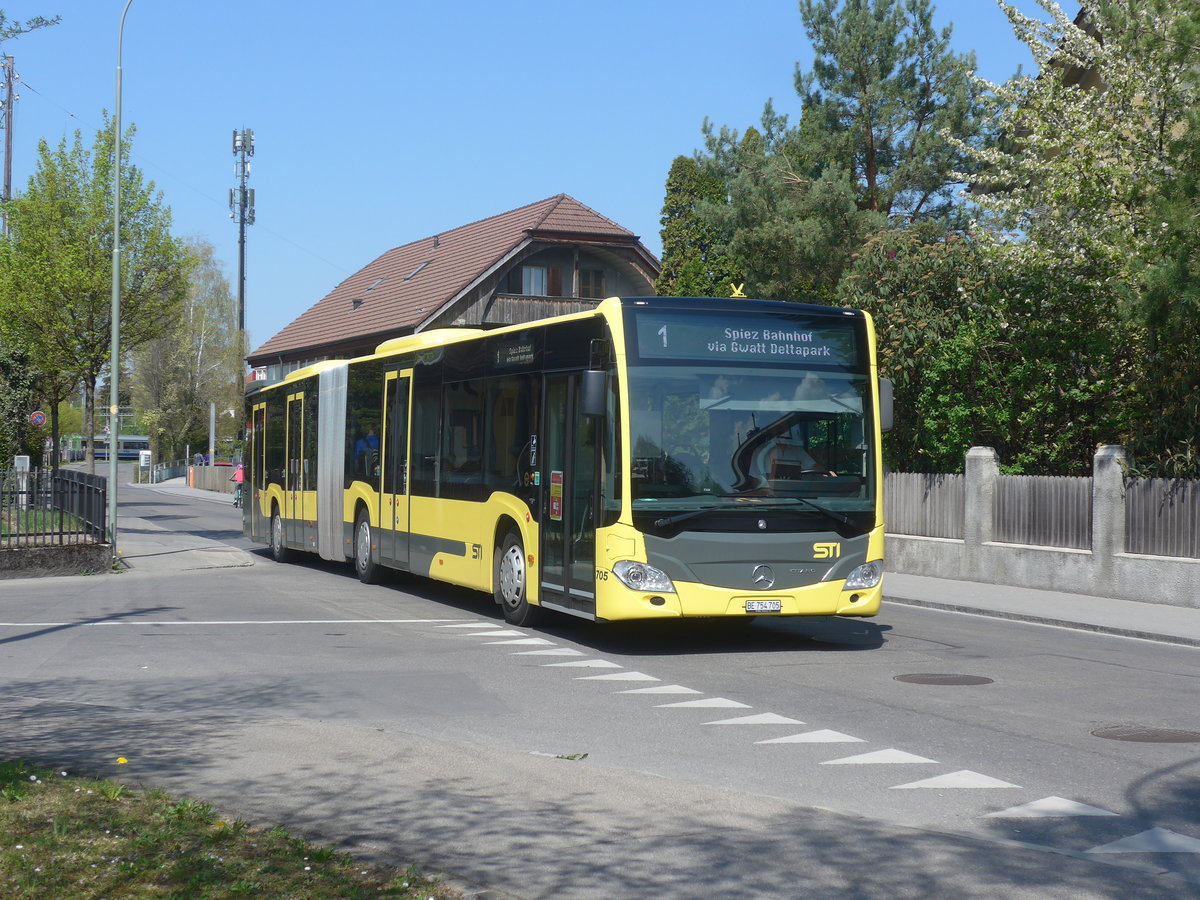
<point>827,551</point>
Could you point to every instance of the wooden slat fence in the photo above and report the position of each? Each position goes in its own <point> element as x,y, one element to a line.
<point>924,504</point>
<point>1044,511</point>
<point>1162,517</point>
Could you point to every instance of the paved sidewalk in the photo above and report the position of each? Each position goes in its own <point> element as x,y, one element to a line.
<point>1152,621</point>
<point>146,546</point>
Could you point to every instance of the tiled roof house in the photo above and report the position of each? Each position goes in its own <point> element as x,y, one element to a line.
<point>550,257</point>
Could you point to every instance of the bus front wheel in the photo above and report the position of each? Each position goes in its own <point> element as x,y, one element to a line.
<point>279,547</point>
<point>364,561</point>
<point>509,583</point>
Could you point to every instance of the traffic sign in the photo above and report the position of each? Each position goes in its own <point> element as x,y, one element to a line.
<point>38,418</point>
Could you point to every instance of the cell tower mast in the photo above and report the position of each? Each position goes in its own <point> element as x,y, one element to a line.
<point>241,206</point>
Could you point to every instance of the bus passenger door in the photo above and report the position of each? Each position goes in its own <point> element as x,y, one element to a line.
<point>393,517</point>
<point>569,473</point>
<point>293,484</point>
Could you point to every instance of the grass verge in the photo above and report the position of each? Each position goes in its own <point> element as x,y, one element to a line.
<point>63,836</point>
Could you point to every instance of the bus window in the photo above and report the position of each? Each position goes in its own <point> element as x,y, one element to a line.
<point>426,435</point>
<point>462,442</point>
<point>363,413</point>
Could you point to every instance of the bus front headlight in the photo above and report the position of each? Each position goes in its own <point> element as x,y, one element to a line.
<point>641,577</point>
<point>865,576</point>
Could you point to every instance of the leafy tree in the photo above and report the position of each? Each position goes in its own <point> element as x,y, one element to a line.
<point>11,28</point>
<point>1103,172</point>
<point>198,361</point>
<point>986,348</point>
<point>56,265</point>
<point>693,265</point>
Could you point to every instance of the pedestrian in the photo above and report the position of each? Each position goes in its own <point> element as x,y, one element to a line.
<point>239,479</point>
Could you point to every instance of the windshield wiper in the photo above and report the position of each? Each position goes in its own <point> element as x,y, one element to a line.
<point>684,516</point>
<point>833,514</point>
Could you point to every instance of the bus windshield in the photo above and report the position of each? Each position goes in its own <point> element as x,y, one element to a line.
<point>727,438</point>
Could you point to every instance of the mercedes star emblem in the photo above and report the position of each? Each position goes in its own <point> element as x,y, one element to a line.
<point>763,577</point>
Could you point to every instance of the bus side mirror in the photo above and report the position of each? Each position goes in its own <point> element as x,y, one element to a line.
<point>593,400</point>
<point>885,404</point>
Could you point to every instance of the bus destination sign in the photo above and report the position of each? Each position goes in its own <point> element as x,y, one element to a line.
<point>745,339</point>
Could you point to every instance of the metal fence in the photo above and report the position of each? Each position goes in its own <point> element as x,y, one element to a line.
<point>1044,511</point>
<point>168,470</point>
<point>927,505</point>
<point>44,508</point>
<point>1162,517</point>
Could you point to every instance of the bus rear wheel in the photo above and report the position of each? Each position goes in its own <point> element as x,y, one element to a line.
<point>364,562</point>
<point>509,583</point>
<point>279,547</point>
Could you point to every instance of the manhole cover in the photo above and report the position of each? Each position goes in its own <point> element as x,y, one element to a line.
<point>1141,734</point>
<point>943,679</point>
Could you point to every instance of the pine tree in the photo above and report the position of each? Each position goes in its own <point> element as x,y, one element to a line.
<point>692,264</point>
<point>870,149</point>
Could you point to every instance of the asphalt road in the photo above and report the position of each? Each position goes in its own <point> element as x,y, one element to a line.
<point>784,759</point>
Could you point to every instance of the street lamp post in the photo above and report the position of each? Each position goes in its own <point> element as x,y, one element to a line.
<point>114,408</point>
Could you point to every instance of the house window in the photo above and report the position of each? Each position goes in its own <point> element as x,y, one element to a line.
<point>591,283</point>
<point>535,281</point>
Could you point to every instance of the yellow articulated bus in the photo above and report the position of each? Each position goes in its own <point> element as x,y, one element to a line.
<point>652,458</point>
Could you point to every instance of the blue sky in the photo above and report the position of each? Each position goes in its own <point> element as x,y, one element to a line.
<point>379,123</point>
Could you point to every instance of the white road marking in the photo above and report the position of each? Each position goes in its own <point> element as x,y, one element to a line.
<point>502,632</point>
<point>141,623</point>
<point>1156,840</point>
<point>662,689</point>
<point>824,736</point>
<point>1050,807</point>
<point>535,641</point>
<point>961,779</point>
<point>759,719</point>
<point>557,651</point>
<point>619,676</point>
<point>473,625</point>
<point>880,758</point>
<point>707,703</point>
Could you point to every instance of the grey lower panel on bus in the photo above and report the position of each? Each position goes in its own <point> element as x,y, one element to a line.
<point>422,548</point>
<point>331,462</point>
<point>736,560</point>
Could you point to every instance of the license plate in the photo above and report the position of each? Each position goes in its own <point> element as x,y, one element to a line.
<point>761,606</point>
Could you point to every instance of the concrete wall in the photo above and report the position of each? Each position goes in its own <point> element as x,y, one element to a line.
<point>72,559</point>
<point>1104,571</point>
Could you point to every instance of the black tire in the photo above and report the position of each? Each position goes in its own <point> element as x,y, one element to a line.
<point>509,583</point>
<point>365,566</point>
<point>279,547</point>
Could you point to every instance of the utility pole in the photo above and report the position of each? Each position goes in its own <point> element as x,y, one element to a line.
<point>241,206</point>
<point>9,97</point>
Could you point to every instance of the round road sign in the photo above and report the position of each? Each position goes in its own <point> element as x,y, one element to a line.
<point>38,418</point>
